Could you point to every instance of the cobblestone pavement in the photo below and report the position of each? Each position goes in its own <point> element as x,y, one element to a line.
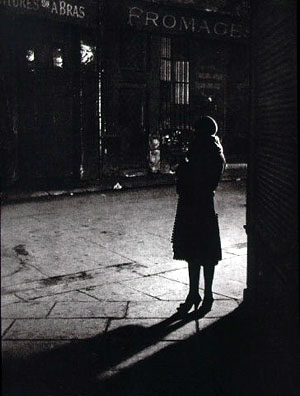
<point>76,268</point>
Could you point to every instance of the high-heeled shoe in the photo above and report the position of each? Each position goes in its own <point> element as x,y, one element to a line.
<point>190,301</point>
<point>207,302</point>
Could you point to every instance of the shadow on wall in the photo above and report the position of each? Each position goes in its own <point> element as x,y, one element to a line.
<point>233,357</point>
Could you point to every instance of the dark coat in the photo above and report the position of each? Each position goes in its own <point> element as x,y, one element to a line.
<point>196,231</point>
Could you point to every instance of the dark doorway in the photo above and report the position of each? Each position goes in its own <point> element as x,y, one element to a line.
<point>133,127</point>
<point>46,64</point>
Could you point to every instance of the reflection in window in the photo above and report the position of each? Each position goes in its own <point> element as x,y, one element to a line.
<point>58,58</point>
<point>87,53</point>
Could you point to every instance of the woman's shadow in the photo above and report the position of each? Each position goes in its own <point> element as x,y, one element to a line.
<point>72,368</point>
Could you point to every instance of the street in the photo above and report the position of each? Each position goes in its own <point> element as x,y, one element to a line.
<point>76,267</point>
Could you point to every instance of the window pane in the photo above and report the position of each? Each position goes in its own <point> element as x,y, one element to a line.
<point>57,58</point>
<point>165,48</point>
<point>87,53</point>
<point>182,71</point>
<point>165,70</point>
<point>30,55</point>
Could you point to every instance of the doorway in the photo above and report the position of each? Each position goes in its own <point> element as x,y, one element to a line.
<point>133,128</point>
<point>47,64</point>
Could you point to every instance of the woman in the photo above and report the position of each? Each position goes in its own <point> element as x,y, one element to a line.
<point>196,236</point>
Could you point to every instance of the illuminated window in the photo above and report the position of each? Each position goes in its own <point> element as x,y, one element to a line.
<point>58,58</point>
<point>165,59</point>
<point>174,83</point>
<point>182,79</point>
<point>87,53</point>
<point>30,55</point>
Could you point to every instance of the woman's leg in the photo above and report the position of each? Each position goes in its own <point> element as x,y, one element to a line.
<point>194,276</point>
<point>209,271</point>
<point>193,298</point>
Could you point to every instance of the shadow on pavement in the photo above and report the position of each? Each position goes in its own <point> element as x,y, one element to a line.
<point>232,357</point>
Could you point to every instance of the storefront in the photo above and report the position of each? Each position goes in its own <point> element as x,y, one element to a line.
<point>99,89</point>
<point>165,65</point>
<point>50,81</point>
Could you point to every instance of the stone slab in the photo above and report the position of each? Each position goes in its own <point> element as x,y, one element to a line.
<point>161,266</point>
<point>43,329</point>
<point>70,282</point>
<point>116,292</point>
<point>176,331</point>
<point>221,308</point>
<point>10,299</point>
<point>5,324</point>
<point>15,349</point>
<point>73,296</point>
<point>155,285</point>
<point>26,310</point>
<point>152,309</point>
<point>139,356</point>
<point>89,310</point>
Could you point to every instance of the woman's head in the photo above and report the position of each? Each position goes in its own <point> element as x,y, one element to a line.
<point>205,126</point>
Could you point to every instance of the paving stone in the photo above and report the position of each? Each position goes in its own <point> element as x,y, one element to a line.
<point>151,309</point>
<point>145,323</point>
<point>19,271</point>
<point>228,287</point>
<point>161,266</point>
<point>226,254</point>
<point>75,296</point>
<point>238,251</point>
<point>139,356</point>
<point>174,332</point>
<point>155,285</point>
<point>9,299</point>
<point>180,275</point>
<point>65,254</point>
<point>5,324</point>
<point>26,310</point>
<point>16,349</point>
<point>50,329</point>
<point>221,308</point>
<point>88,310</point>
<point>117,292</point>
<point>70,282</point>
<point>177,295</point>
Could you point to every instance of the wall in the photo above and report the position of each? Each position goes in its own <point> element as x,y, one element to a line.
<point>272,220</point>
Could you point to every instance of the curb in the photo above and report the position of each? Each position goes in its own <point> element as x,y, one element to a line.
<point>233,172</point>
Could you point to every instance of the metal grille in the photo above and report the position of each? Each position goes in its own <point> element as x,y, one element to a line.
<point>174,84</point>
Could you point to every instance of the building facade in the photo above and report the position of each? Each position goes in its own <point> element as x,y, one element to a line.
<point>101,89</point>
<point>166,63</point>
<point>50,86</point>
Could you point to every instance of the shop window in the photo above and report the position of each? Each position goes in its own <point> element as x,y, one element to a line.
<point>165,56</point>
<point>30,55</point>
<point>174,83</point>
<point>87,53</point>
<point>58,58</point>
<point>30,59</point>
<point>182,80</point>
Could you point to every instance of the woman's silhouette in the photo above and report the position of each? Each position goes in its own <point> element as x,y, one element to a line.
<point>196,237</point>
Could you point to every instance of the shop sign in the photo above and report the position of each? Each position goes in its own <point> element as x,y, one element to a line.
<point>209,80</point>
<point>75,11</point>
<point>185,21</point>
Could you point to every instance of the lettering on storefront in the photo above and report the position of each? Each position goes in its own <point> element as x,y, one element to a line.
<point>209,80</point>
<point>57,9</point>
<point>138,17</point>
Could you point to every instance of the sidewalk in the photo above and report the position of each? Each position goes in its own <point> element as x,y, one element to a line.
<point>78,268</point>
<point>232,172</point>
